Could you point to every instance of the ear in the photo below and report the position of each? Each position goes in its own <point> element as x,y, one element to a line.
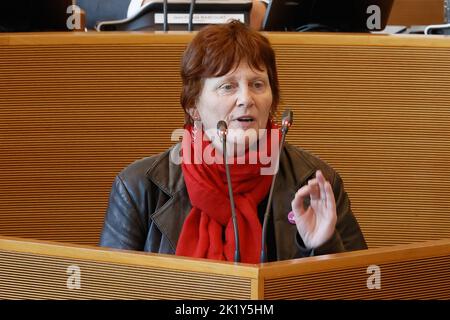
<point>193,112</point>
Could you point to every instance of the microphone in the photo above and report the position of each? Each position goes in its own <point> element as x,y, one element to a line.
<point>286,123</point>
<point>191,14</point>
<point>222,130</point>
<point>165,26</point>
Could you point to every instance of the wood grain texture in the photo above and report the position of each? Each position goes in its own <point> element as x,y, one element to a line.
<point>43,277</point>
<point>417,12</point>
<point>419,279</point>
<point>416,271</point>
<point>39,270</point>
<point>77,108</point>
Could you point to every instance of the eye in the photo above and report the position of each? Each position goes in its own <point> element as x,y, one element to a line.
<point>259,84</point>
<point>227,87</point>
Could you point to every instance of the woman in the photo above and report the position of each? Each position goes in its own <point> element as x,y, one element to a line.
<point>158,205</point>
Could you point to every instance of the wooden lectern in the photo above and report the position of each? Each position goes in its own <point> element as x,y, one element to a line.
<point>46,270</point>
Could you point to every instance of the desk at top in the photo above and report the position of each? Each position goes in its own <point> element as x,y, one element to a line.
<point>75,108</point>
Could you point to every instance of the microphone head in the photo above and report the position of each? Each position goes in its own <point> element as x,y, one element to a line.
<point>222,129</point>
<point>286,121</point>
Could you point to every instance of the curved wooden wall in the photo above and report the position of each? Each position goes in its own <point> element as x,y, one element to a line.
<point>76,108</point>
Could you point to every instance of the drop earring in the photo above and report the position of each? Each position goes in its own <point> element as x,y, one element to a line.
<point>273,117</point>
<point>196,129</point>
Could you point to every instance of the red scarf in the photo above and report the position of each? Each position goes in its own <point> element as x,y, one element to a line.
<point>208,229</point>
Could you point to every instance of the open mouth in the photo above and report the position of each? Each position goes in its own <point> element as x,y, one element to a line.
<point>245,119</point>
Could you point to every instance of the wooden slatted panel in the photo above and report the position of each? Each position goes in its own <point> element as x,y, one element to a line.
<point>417,12</point>
<point>73,115</point>
<point>381,117</point>
<point>33,276</point>
<point>419,279</point>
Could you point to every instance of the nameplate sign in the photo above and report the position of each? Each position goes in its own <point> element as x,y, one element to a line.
<point>199,18</point>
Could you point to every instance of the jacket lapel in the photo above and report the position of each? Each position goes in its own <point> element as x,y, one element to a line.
<point>170,216</point>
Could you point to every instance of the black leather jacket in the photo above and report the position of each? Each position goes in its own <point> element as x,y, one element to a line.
<point>149,203</point>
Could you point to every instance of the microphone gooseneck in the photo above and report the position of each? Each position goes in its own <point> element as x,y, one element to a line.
<point>191,14</point>
<point>286,122</point>
<point>165,13</point>
<point>222,130</point>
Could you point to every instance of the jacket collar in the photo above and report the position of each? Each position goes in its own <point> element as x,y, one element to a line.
<point>166,173</point>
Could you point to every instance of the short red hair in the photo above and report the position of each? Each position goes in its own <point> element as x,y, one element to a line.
<point>216,50</point>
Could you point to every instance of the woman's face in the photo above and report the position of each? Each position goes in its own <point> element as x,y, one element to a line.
<point>242,98</point>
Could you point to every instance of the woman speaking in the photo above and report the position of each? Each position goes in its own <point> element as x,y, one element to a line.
<point>162,205</point>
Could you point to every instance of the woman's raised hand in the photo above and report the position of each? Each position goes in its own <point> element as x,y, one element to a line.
<point>315,224</point>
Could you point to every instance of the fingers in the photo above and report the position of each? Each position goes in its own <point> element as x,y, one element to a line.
<point>330,201</point>
<point>326,191</point>
<point>318,189</point>
<point>321,183</point>
<point>297,203</point>
<point>314,189</point>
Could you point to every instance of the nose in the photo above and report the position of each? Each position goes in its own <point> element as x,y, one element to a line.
<point>245,97</point>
